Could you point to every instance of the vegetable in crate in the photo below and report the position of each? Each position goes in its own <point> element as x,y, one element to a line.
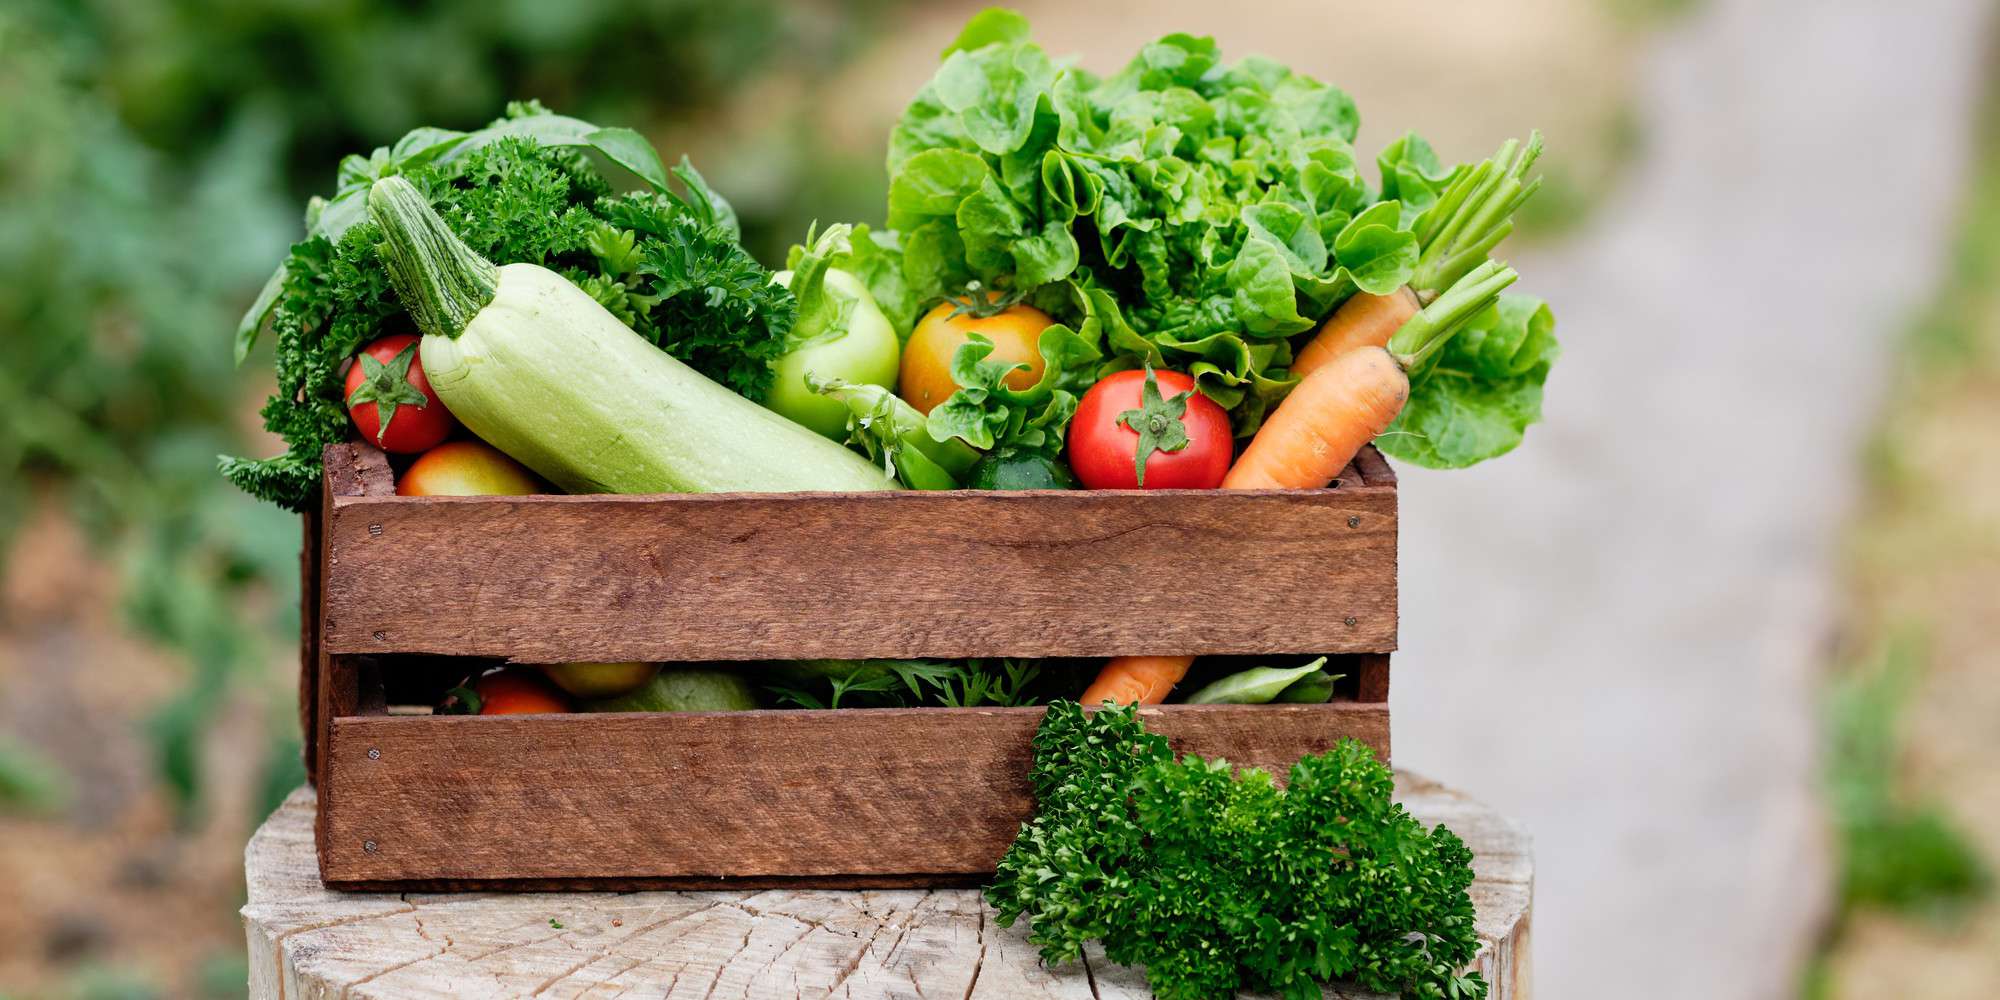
<point>1317,430</point>
<point>541,370</point>
<point>830,684</point>
<point>1010,468</point>
<point>1012,328</point>
<point>513,691</point>
<point>664,260</point>
<point>1208,211</point>
<point>466,469</point>
<point>1263,685</point>
<point>889,430</point>
<point>600,680</point>
<point>1206,217</point>
<point>684,689</point>
<point>1466,218</point>
<point>841,333</point>
<point>1218,881</point>
<point>1149,430</point>
<point>390,400</point>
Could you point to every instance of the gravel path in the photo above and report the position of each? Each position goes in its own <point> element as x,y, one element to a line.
<point>1614,634</point>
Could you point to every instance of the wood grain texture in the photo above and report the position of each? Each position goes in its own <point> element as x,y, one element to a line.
<point>357,469</point>
<point>309,601</point>
<point>1371,677</point>
<point>899,793</point>
<point>306,941</point>
<point>1375,470</point>
<point>738,576</point>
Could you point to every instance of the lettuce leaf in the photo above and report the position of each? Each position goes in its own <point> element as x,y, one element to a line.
<point>986,413</point>
<point>1485,388</point>
<point>1199,214</point>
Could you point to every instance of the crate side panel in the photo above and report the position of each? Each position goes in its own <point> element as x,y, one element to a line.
<point>920,794</point>
<point>551,579</point>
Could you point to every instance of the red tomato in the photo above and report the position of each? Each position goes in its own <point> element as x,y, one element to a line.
<point>385,380</point>
<point>1104,444</point>
<point>515,691</point>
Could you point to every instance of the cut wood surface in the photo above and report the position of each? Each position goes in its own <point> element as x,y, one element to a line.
<point>907,796</point>
<point>306,941</point>
<point>752,576</point>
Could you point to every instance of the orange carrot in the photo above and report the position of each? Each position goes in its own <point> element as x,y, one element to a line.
<point>1364,320</point>
<point>1143,679</point>
<point>1344,404</point>
<point>1317,430</point>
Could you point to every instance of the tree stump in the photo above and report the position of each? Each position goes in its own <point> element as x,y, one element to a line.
<point>309,942</point>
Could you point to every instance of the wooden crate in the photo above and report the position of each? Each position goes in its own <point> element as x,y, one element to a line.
<point>872,797</point>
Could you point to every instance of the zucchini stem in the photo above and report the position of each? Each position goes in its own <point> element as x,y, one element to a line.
<point>441,281</point>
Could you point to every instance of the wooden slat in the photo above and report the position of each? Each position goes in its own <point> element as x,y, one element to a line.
<point>901,794</point>
<point>309,582</point>
<point>739,576</point>
<point>1371,676</point>
<point>358,469</point>
<point>1374,469</point>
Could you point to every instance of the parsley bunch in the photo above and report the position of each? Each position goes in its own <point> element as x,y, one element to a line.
<point>1218,881</point>
<point>668,265</point>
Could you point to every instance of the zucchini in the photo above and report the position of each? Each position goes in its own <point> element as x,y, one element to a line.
<point>536,367</point>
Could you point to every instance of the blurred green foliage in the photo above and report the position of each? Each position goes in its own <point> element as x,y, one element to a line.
<point>29,783</point>
<point>346,77</point>
<point>124,270</point>
<point>155,157</point>
<point>1897,851</point>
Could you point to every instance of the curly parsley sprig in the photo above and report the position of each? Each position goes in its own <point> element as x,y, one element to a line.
<point>1218,881</point>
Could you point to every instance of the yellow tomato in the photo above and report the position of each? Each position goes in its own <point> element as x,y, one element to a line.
<point>925,380</point>
<point>466,469</point>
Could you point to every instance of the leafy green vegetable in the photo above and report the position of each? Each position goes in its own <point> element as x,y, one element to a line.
<point>1218,881</point>
<point>1484,390</point>
<point>986,413</point>
<point>664,261</point>
<point>892,433</point>
<point>1193,214</point>
<point>425,147</point>
<point>908,683</point>
<point>1204,212</point>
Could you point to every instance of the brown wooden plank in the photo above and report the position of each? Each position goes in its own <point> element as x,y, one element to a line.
<point>1374,469</point>
<point>1371,675</point>
<point>358,469</point>
<point>672,884</point>
<point>891,793</point>
<point>309,579</point>
<point>743,576</point>
<point>323,697</point>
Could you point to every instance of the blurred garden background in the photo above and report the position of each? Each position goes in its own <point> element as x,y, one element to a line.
<point>155,157</point>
